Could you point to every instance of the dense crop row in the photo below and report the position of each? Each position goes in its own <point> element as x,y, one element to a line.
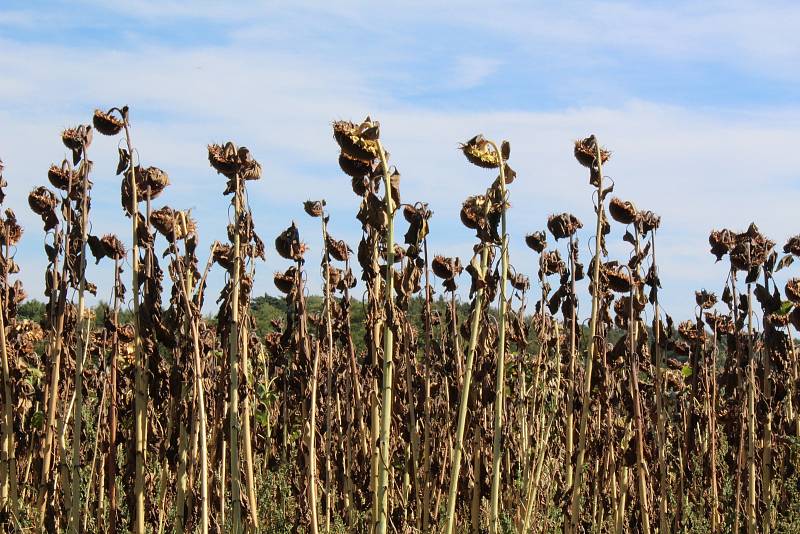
<point>516,413</point>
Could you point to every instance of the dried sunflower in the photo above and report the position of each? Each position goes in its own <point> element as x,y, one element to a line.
<point>793,290</point>
<point>288,244</point>
<point>337,249</point>
<point>481,153</point>
<point>551,263</point>
<point>616,278</point>
<point>358,141</point>
<point>722,242</point>
<point>751,249</point>
<point>354,168</point>
<point>586,152</point>
<point>705,299</point>
<point>792,246</point>
<point>446,268</point>
<point>62,177</point>
<point>647,221</point>
<point>43,202</point>
<point>315,208</point>
<point>536,241</point>
<point>622,211</point>
<point>564,225</point>
<point>106,122</point>
<point>285,281</point>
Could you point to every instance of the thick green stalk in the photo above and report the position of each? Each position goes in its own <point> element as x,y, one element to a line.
<point>590,354</point>
<point>82,344</point>
<point>233,360</point>
<point>458,447</point>
<point>494,516</point>
<point>388,365</point>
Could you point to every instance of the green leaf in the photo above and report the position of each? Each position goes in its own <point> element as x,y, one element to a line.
<point>686,371</point>
<point>785,308</point>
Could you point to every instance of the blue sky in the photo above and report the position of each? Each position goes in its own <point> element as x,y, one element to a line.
<point>698,101</point>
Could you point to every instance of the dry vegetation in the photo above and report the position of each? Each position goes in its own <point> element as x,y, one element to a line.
<point>502,415</point>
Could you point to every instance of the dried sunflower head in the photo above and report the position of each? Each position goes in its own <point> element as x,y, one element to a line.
<point>520,282</point>
<point>688,330</point>
<point>705,299</point>
<point>722,242</point>
<point>622,211</point>
<point>106,122</point>
<point>288,244</point>
<point>536,241</point>
<point>337,249</point>
<point>354,168</point>
<point>721,324</point>
<point>77,140</point>
<point>163,220</point>
<point>358,141</point>
<point>446,268</point>
<point>113,247</point>
<point>564,225</point>
<point>617,278</point>
<point>12,231</point>
<point>481,153</point>
<point>793,290</point>
<point>647,221</point>
<point>792,246</point>
<point>43,202</point>
<point>61,177</point>
<point>315,208</point>
<point>223,255</point>
<point>751,249</point>
<point>285,281</point>
<point>586,152</point>
<point>551,263</point>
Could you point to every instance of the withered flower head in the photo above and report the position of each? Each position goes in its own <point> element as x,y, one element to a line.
<point>42,201</point>
<point>520,282</point>
<point>481,153</point>
<point>358,141</point>
<point>564,225</point>
<point>150,180</point>
<point>12,231</point>
<point>792,246</point>
<point>551,263</point>
<point>169,223</point>
<point>688,331</point>
<point>114,248</point>
<point>354,168</point>
<point>109,246</point>
<point>337,249</point>
<point>586,152</point>
<point>228,160</point>
<point>648,221</point>
<point>315,208</point>
<point>106,122</point>
<point>223,255</point>
<point>288,244</point>
<point>285,281</point>
<point>751,250</point>
<point>793,290</point>
<point>721,324</point>
<point>76,139</point>
<point>163,221</point>
<point>537,241</point>
<point>722,242</point>
<point>61,177</point>
<point>622,211</point>
<point>446,268</point>
<point>705,299</point>
<point>617,278</point>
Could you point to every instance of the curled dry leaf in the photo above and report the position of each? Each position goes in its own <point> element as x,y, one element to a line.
<point>793,290</point>
<point>705,299</point>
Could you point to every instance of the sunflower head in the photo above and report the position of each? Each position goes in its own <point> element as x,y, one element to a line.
<point>358,141</point>
<point>106,122</point>
<point>481,153</point>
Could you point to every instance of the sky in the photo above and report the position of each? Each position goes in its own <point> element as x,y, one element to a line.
<point>698,102</point>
